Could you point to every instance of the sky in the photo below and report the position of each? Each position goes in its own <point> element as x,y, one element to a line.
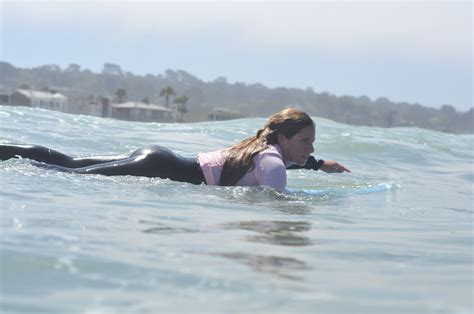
<point>407,51</point>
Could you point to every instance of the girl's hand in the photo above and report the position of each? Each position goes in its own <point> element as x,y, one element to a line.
<point>333,166</point>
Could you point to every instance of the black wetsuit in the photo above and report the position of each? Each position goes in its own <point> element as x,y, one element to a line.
<point>150,161</point>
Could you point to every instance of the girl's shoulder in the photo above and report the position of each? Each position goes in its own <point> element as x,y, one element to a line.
<point>270,155</point>
<point>272,151</point>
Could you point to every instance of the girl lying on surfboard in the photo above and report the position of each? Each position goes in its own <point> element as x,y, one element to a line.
<point>284,142</point>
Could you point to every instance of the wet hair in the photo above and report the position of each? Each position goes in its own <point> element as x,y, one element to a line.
<point>238,158</point>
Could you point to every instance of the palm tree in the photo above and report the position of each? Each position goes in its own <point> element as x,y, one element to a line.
<point>167,92</point>
<point>121,95</point>
<point>182,109</point>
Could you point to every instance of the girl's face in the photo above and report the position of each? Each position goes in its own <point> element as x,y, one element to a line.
<point>298,148</point>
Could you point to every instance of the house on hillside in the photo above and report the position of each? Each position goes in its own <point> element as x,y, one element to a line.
<point>38,99</point>
<point>4,98</point>
<point>91,108</point>
<point>221,114</point>
<point>138,111</point>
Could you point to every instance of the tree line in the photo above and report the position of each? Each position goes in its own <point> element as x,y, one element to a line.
<point>250,99</point>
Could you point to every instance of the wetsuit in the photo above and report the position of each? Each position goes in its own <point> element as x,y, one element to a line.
<point>150,161</point>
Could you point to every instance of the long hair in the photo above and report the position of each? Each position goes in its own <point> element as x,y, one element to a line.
<point>238,158</point>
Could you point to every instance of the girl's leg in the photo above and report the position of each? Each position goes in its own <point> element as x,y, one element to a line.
<point>50,156</point>
<point>79,162</point>
<point>38,153</point>
<point>152,161</point>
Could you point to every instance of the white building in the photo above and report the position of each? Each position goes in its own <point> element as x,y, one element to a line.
<point>138,111</point>
<point>92,108</point>
<point>39,99</point>
<point>221,114</point>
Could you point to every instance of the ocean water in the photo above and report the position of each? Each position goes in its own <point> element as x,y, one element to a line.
<point>393,236</point>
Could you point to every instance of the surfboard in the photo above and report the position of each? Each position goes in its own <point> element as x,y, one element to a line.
<point>372,188</point>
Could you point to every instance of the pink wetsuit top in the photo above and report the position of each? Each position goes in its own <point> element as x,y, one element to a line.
<point>269,169</point>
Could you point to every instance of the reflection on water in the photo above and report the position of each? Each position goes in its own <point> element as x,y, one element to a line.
<point>274,265</point>
<point>290,240</point>
<point>292,208</point>
<point>160,228</point>
<point>285,233</point>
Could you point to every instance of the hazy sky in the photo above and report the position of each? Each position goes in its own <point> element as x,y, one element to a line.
<point>406,51</point>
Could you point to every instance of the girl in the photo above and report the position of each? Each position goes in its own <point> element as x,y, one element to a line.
<point>284,142</point>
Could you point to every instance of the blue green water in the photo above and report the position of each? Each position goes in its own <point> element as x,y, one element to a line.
<point>393,236</point>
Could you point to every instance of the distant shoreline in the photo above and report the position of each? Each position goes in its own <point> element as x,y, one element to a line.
<point>82,87</point>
